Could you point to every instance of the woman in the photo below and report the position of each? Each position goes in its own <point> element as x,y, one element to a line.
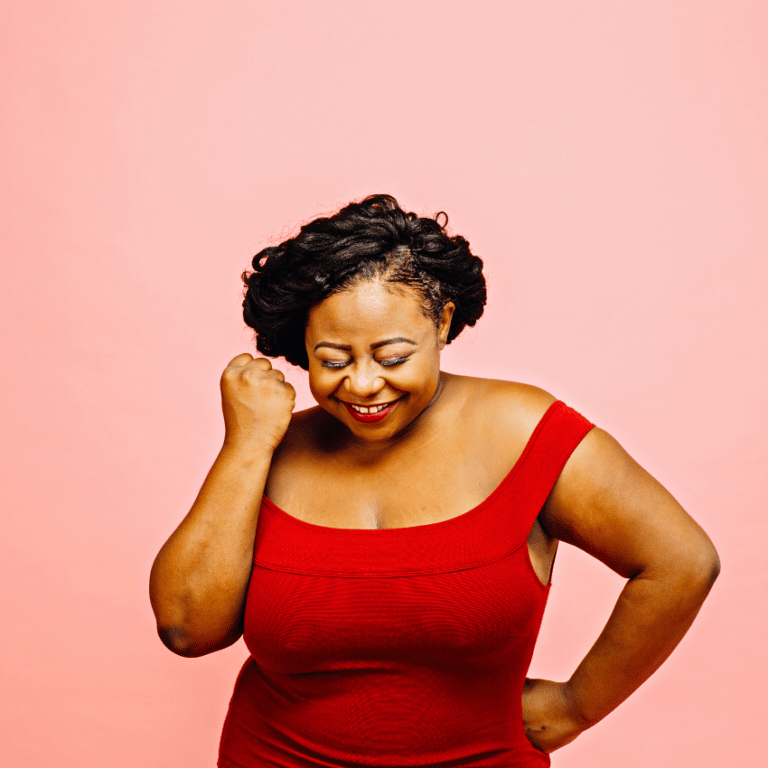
<point>387,554</point>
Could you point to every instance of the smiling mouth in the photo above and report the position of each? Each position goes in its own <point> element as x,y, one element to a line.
<point>370,414</point>
<point>370,408</point>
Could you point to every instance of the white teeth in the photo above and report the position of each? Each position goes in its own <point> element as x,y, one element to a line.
<point>372,409</point>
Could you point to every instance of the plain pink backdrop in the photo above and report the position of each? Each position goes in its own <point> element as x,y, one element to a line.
<point>607,160</point>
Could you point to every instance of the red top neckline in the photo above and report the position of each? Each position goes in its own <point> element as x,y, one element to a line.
<point>499,489</point>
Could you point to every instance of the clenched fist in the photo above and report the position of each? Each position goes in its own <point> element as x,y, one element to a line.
<point>257,403</point>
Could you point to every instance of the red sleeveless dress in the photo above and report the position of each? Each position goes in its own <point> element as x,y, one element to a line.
<point>397,647</point>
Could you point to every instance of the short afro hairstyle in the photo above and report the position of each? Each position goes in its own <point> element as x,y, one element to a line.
<point>373,238</point>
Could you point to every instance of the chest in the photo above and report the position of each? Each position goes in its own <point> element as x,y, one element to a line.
<point>407,491</point>
<point>302,623</point>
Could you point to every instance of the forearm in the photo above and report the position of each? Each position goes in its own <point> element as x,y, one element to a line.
<point>652,614</point>
<point>200,576</point>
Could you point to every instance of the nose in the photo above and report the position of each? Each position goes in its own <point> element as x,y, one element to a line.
<point>362,382</point>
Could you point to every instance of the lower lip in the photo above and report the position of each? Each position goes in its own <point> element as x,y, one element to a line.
<point>370,418</point>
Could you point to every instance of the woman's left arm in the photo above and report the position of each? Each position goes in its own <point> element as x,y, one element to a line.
<point>607,505</point>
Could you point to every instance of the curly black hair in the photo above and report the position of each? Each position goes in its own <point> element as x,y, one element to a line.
<point>373,238</point>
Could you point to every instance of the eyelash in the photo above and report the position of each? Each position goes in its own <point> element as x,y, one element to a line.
<point>386,363</point>
<point>393,361</point>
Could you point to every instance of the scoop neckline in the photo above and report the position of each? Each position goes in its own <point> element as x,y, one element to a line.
<point>439,523</point>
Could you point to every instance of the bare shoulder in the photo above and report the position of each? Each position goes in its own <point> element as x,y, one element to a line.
<point>500,415</point>
<point>504,407</point>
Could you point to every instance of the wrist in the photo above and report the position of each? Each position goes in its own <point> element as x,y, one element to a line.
<point>575,707</point>
<point>550,715</point>
<point>247,452</point>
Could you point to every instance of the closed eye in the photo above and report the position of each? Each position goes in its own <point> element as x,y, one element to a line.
<point>394,361</point>
<point>388,363</point>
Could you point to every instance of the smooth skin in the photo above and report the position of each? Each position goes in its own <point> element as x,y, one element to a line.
<point>372,344</point>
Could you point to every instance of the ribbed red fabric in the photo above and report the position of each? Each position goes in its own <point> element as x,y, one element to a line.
<point>397,647</point>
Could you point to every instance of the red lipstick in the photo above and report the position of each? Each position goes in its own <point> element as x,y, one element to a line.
<point>371,418</point>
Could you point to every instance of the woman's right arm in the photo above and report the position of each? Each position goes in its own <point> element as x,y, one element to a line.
<point>200,576</point>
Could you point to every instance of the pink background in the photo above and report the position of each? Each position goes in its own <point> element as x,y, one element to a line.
<point>607,160</point>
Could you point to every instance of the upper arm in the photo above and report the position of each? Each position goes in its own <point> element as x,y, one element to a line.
<point>609,506</point>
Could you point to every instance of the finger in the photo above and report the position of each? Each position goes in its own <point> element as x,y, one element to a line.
<point>279,375</point>
<point>262,363</point>
<point>240,360</point>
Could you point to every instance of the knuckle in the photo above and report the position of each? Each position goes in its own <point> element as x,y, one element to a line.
<point>250,375</point>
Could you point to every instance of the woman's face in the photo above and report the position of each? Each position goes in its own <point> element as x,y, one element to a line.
<point>374,358</point>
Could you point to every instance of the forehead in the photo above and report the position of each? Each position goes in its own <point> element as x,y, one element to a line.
<point>371,308</point>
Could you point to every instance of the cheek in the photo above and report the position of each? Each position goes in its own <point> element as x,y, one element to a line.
<point>314,379</point>
<point>322,381</point>
<point>419,381</point>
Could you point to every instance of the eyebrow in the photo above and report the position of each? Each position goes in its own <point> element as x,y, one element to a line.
<point>376,345</point>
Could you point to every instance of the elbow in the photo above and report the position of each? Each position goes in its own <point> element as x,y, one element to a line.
<point>685,573</point>
<point>707,564</point>
<point>713,570</point>
<point>714,567</point>
<point>176,640</point>
<point>700,568</point>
